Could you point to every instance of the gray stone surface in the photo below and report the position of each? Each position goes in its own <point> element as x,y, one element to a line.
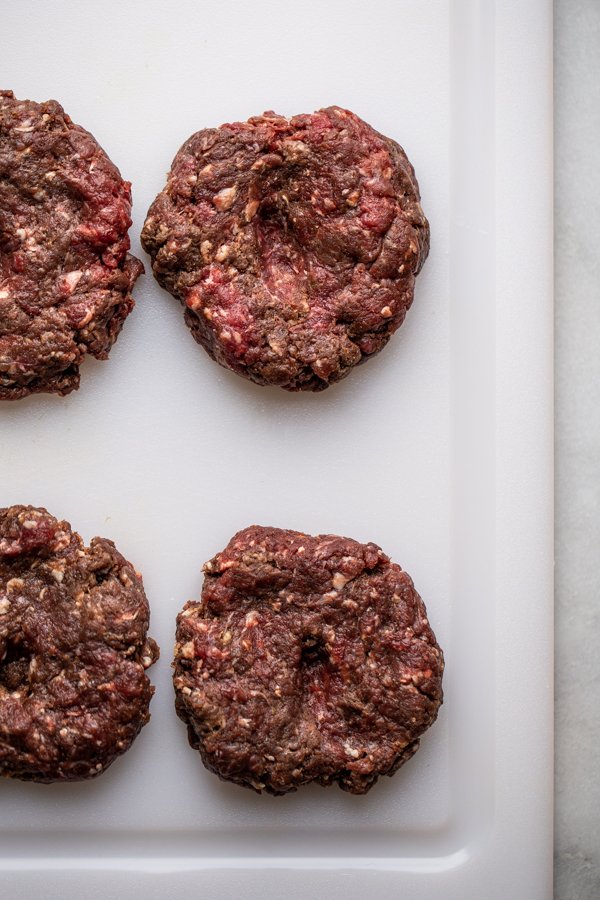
<point>577,248</point>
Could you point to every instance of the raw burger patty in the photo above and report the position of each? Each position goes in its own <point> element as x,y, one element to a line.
<point>307,659</point>
<point>73,650</point>
<point>293,244</point>
<point>65,273</point>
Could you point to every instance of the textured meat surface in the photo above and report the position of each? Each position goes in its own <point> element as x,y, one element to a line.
<point>292,244</point>
<point>73,650</point>
<point>307,659</point>
<point>65,271</point>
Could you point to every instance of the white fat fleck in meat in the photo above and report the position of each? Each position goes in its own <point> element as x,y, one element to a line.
<point>251,209</point>
<point>225,198</point>
<point>14,584</point>
<point>71,280</point>
<point>295,151</point>
<point>4,605</point>
<point>278,346</point>
<point>251,619</point>
<point>61,541</point>
<point>126,580</point>
<point>187,650</point>
<point>339,580</point>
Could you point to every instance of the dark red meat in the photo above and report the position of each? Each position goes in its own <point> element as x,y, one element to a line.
<point>292,244</point>
<point>73,650</point>
<point>307,659</point>
<point>65,271</point>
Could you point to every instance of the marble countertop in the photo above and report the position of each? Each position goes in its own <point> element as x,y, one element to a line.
<point>577,280</point>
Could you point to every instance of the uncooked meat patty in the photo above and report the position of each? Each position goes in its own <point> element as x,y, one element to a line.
<point>307,659</point>
<point>73,650</point>
<point>65,273</point>
<point>293,244</point>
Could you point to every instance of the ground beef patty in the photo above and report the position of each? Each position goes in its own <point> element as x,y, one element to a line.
<point>293,244</point>
<point>307,659</point>
<point>65,273</point>
<point>73,650</point>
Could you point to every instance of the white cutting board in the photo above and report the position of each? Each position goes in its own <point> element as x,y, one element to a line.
<point>439,450</point>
